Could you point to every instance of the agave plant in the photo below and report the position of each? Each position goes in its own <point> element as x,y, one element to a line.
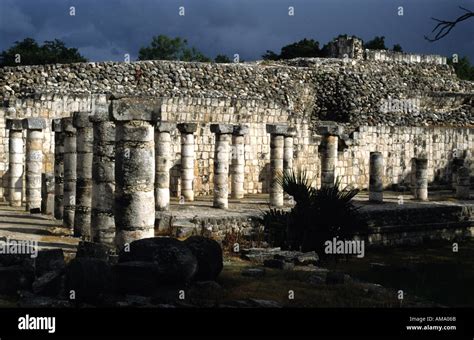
<point>319,214</point>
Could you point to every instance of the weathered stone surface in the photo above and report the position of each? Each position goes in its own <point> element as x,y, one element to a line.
<point>277,129</point>
<point>173,261</point>
<point>49,260</point>
<point>34,123</point>
<point>48,284</point>
<point>136,108</point>
<point>278,264</point>
<point>209,256</point>
<point>334,277</point>
<point>92,250</point>
<point>222,128</point>
<point>89,278</point>
<point>187,127</point>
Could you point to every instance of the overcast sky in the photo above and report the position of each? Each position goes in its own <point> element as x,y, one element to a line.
<point>108,29</point>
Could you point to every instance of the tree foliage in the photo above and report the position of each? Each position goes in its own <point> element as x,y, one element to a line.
<point>166,48</point>
<point>222,58</point>
<point>29,52</point>
<point>306,48</point>
<point>377,43</point>
<point>463,68</point>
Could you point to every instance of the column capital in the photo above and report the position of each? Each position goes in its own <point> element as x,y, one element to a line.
<point>291,132</point>
<point>100,113</point>
<point>14,124</point>
<point>56,125</point>
<point>222,128</point>
<point>187,127</point>
<point>66,124</point>
<point>330,129</point>
<point>34,123</point>
<point>277,129</point>
<point>136,108</point>
<point>81,120</point>
<point>240,130</point>
<point>165,126</point>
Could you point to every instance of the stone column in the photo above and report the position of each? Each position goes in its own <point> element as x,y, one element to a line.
<point>277,142</point>
<point>421,175</point>
<point>134,170</point>
<point>58,168</point>
<point>103,178</point>
<point>47,193</point>
<point>288,150</point>
<point>463,184</point>
<point>34,162</point>
<point>16,162</point>
<point>70,175</point>
<point>237,169</point>
<point>223,134</point>
<point>376,177</point>
<point>455,166</point>
<point>84,139</point>
<point>187,159</point>
<point>329,160</point>
<point>163,164</point>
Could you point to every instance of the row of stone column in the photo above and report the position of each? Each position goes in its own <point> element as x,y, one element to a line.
<point>34,162</point>
<point>420,180</point>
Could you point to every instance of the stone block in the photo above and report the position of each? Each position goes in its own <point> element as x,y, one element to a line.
<point>34,123</point>
<point>81,120</point>
<point>136,108</point>
<point>14,124</point>
<point>165,126</point>
<point>241,130</point>
<point>277,129</point>
<point>222,128</point>
<point>187,127</point>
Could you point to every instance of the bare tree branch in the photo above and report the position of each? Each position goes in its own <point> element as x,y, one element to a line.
<point>443,27</point>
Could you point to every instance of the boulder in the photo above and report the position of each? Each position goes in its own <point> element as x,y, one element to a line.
<point>92,250</point>
<point>209,256</point>
<point>49,260</point>
<point>48,284</point>
<point>89,278</point>
<point>153,263</point>
<point>278,264</point>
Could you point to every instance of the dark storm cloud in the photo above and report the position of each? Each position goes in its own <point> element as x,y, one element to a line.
<point>108,29</point>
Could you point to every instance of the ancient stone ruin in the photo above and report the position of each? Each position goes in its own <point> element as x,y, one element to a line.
<point>124,140</point>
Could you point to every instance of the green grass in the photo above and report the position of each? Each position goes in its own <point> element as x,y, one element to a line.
<point>431,271</point>
<point>276,284</point>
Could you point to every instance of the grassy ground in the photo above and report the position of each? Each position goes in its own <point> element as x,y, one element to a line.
<point>431,271</point>
<point>276,284</point>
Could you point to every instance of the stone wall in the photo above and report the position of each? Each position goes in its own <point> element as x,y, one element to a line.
<point>403,110</point>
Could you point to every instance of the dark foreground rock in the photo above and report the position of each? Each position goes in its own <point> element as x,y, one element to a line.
<point>209,256</point>
<point>154,262</point>
<point>89,278</point>
<point>49,260</point>
<point>48,284</point>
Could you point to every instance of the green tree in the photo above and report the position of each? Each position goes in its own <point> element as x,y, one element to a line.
<point>29,52</point>
<point>222,58</point>
<point>463,68</point>
<point>306,48</point>
<point>377,43</point>
<point>166,48</point>
<point>397,48</point>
